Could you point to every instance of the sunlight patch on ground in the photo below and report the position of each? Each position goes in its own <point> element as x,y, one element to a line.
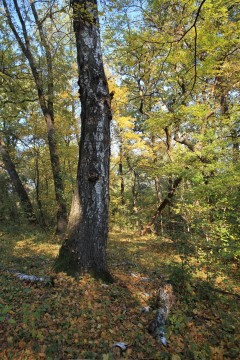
<point>23,247</point>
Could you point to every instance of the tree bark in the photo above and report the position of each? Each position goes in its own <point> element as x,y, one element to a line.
<point>134,192</point>
<point>84,249</point>
<point>41,218</point>
<point>121,171</point>
<point>17,183</point>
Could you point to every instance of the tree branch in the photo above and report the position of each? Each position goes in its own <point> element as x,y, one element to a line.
<point>194,23</point>
<point>48,57</point>
<point>163,204</point>
<point>26,51</point>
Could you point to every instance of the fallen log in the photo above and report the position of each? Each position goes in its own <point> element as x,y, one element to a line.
<point>164,303</point>
<point>46,281</point>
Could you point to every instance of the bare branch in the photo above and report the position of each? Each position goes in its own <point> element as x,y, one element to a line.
<point>24,29</point>
<point>194,23</point>
<point>26,51</point>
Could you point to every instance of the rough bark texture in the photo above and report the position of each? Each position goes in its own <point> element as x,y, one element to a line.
<point>16,182</point>
<point>84,249</point>
<point>121,172</point>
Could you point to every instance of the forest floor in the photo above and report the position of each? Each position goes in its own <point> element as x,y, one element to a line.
<point>83,319</point>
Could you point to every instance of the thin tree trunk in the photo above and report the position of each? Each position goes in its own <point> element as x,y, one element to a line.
<point>157,179</point>
<point>48,112</point>
<point>121,171</point>
<point>235,145</point>
<point>163,204</point>
<point>57,176</point>
<point>158,189</point>
<point>134,201</point>
<point>84,249</point>
<point>17,183</point>
<point>41,218</point>
<point>134,192</point>
<point>45,101</point>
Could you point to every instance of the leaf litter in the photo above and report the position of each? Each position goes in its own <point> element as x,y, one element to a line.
<point>87,319</point>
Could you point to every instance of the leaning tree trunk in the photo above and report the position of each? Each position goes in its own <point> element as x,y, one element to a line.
<point>84,249</point>
<point>45,96</point>
<point>17,183</point>
<point>163,204</point>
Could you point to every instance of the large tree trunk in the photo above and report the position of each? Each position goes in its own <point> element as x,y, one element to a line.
<point>16,182</point>
<point>84,249</point>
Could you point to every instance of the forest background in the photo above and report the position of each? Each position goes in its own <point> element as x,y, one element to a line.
<point>173,71</point>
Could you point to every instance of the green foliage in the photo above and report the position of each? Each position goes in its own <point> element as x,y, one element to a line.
<point>186,117</point>
<point>22,124</point>
<point>157,90</point>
